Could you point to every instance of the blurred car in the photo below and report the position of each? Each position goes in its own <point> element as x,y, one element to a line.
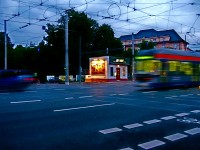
<point>16,79</point>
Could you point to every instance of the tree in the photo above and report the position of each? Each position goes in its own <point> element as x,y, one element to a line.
<point>146,45</point>
<point>104,38</point>
<point>24,58</point>
<point>93,38</point>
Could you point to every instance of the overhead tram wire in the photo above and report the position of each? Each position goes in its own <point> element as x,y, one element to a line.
<point>28,24</point>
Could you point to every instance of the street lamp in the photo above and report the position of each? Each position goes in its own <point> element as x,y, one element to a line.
<point>186,39</point>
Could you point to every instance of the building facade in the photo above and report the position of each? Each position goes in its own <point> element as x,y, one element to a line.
<point>107,69</point>
<point>162,39</point>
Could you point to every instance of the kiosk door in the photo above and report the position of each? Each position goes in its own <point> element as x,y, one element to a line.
<point>118,73</point>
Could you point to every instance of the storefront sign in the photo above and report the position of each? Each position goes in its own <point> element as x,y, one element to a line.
<point>97,66</point>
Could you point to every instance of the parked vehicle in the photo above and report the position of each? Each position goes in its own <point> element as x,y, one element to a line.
<point>16,79</point>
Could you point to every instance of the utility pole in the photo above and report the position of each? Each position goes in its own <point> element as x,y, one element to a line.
<point>66,51</point>
<point>107,51</point>
<point>5,47</point>
<point>133,61</point>
<point>80,59</point>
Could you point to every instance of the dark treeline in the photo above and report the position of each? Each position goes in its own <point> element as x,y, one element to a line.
<point>48,58</point>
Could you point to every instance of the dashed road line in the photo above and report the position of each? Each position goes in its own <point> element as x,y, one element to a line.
<point>30,91</point>
<point>85,96</point>
<point>111,130</point>
<point>77,108</point>
<point>127,148</point>
<point>151,144</point>
<point>186,95</point>
<point>69,98</point>
<point>171,96</point>
<point>195,111</point>
<point>150,92</point>
<point>168,118</point>
<point>18,102</point>
<point>4,93</point>
<point>193,131</point>
<point>135,125</point>
<point>59,89</point>
<point>182,114</point>
<point>113,94</point>
<point>152,121</point>
<point>123,94</point>
<point>175,137</point>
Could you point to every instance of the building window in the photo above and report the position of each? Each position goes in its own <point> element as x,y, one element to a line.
<point>111,72</point>
<point>163,45</point>
<point>175,46</point>
<point>124,71</point>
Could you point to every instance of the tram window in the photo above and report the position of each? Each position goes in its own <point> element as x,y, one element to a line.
<point>174,68</point>
<point>187,68</point>
<point>152,66</point>
<point>195,69</point>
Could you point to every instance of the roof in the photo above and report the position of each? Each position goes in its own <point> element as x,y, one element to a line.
<point>174,37</point>
<point>165,53</point>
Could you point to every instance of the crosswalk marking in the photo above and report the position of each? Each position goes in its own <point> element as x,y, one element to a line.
<point>175,136</point>
<point>168,117</point>
<point>135,125</point>
<point>193,131</point>
<point>195,111</point>
<point>152,121</point>
<point>151,144</point>
<point>111,130</point>
<point>182,114</point>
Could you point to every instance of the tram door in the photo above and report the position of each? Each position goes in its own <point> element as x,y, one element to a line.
<point>118,73</point>
<point>164,72</point>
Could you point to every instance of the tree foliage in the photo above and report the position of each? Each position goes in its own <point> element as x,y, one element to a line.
<point>48,58</point>
<point>95,40</point>
<point>146,45</point>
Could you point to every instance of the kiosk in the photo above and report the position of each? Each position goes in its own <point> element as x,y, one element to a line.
<point>107,69</point>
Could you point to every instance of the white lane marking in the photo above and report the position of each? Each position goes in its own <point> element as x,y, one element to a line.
<point>186,95</point>
<point>123,94</point>
<point>85,96</point>
<point>151,144</point>
<point>128,148</point>
<point>182,114</point>
<point>59,89</point>
<point>150,92</point>
<point>135,125</point>
<point>152,121</point>
<point>193,131</point>
<point>111,130</point>
<point>168,117</point>
<point>76,108</point>
<point>30,91</point>
<point>3,93</point>
<point>195,111</point>
<point>175,136</point>
<point>113,94</point>
<point>171,96</point>
<point>69,98</point>
<point>32,101</point>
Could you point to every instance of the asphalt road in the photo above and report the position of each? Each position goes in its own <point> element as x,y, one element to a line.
<point>110,116</point>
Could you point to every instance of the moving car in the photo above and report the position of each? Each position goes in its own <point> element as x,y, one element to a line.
<point>16,79</point>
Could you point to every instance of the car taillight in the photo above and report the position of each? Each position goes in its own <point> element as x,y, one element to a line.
<point>29,79</point>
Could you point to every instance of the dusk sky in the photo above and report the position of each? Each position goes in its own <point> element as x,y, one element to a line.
<point>25,18</point>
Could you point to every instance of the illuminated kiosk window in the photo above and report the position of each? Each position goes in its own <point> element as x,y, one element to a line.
<point>98,67</point>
